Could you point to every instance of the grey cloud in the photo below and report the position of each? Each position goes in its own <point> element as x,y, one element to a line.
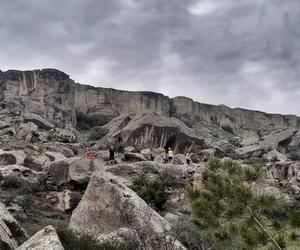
<point>240,53</point>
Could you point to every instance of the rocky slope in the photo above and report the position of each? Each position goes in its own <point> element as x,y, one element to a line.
<point>48,122</point>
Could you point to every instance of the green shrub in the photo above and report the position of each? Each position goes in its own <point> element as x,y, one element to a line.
<point>74,241</point>
<point>153,192</point>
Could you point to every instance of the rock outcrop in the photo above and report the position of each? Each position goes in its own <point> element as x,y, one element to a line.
<point>10,230</point>
<point>75,171</point>
<point>108,206</point>
<point>46,238</point>
<point>152,131</point>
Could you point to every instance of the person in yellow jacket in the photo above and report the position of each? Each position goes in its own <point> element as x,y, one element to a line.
<point>170,155</point>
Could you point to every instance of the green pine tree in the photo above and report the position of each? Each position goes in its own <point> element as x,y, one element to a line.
<point>234,216</point>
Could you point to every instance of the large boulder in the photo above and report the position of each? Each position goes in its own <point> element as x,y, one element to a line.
<point>60,148</point>
<point>249,151</point>
<point>38,120</point>
<point>132,157</point>
<point>46,238</point>
<point>293,149</point>
<point>108,205</point>
<point>36,162</point>
<point>26,130</point>
<point>279,171</point>
<point>278,139</point>
<point>171,172</point>
<point>54,156</point>
<point>294,172</point>
<point>18,175</point>
<point>12,157</point>
<point>75,171</point>
<point>151,131</point>
<point>275,156</point>
<point>10,230</point>
<point>65,135</point>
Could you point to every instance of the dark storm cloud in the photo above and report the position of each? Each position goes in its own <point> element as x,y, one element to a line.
<point>241,53</point>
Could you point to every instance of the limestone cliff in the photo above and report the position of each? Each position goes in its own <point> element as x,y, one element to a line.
<point>53,95</point>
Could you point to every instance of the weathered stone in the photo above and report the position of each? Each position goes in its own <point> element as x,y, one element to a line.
<point>146,151</point>
<point>10,230</point>
<point>65,135</point>
<point>273,140</point>
<point>60,148</point>
<point>25,131</point>
<point>46,238</point>
<point>75,171</point>
<point>129,149</point>
<point>159,159</point>
<point>64,201</point>
<point>294,171</point>
<point>37,163</point>
<point>4,124</point>
<point>293,149</point>
<point>133,157</point>
<point>19,173</point>
<point>108,206</point>
<point>179,159</point>
<point>38,120</point>
<point>173,173</point>
<point>275,156</point>
<point>54,156</point>
<point>249,141</point>
<point>12,157</point>
<point>152,131</point>
<point>249,151</point>
<point>279,171</point>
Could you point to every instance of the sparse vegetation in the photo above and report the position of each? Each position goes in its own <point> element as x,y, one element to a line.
<point>154,192</point>
<point>73,241</point>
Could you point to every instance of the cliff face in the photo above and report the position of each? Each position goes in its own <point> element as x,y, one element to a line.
<point>53,95</point>
<point>48,93</point>
<point>113,102</point>
<point>239,120</point>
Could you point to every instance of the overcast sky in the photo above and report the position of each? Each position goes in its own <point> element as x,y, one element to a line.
<point>242,53</point>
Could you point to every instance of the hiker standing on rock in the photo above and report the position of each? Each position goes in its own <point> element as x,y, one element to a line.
<point>90,155</point>
<point>111,154</point>
<point>170,155</point>
<point>188,158</point>
<point>111,149</point>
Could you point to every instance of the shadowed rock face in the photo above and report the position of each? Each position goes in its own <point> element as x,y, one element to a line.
<point>53,95</point>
